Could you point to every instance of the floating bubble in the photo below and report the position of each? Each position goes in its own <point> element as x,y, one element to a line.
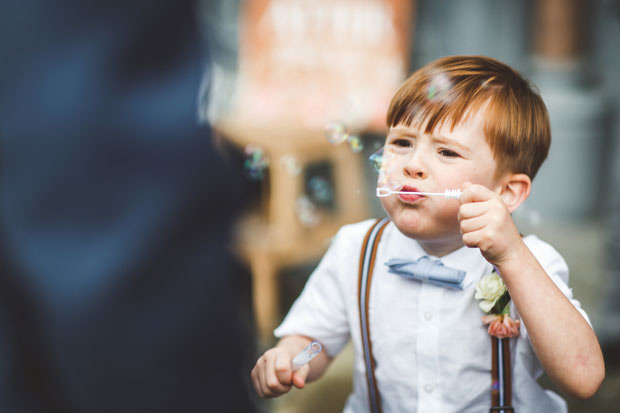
<point>394,186</point>
<point>256,162</point>
<point>307,212</point>
<point>534,218</point>
<point>355,143</point>
<point>336,132</point>
<point>291,164</point>
<point>320,190</point>
<point>432,90</point>
<point>380,161</point>
<point>376,160</point>
<point>528,217</point>
<point>439,86</point>
<point>382,180</point>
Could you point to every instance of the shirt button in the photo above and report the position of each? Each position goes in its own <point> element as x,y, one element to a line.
<point>428,388</point>
<point>428,316</point>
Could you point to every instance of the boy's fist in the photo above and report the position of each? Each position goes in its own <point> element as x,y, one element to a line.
<point>272,376</point>
<point>485,223</point>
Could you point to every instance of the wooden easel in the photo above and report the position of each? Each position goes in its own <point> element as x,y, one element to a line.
<point>273,237</point>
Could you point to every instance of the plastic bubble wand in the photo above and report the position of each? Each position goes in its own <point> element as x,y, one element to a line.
<point>306,355</point>
<point>448,193</point>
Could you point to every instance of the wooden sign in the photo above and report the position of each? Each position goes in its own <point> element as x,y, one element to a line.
<point>308,62</point>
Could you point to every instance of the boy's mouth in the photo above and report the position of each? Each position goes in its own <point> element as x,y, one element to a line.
<point>409,198</point>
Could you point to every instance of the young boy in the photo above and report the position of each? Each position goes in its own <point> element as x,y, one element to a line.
<point>468,123</point>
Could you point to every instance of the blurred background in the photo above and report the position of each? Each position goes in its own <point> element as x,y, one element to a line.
<point>119,289</point>
<point>301,88</point>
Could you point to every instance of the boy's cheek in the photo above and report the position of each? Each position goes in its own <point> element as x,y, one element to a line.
<point>388,204</point>
<point>389,175</point>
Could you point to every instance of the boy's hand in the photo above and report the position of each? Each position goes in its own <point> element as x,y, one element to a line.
<point>272,375</point>
<point>485,222</point>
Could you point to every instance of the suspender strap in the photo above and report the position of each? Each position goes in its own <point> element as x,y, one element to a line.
<point>501,395</point>
<point>367,263</point>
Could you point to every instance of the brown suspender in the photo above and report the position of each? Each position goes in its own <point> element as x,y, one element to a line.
<point>501,376</point>
<point>367,264</point>
<point>501,394</point>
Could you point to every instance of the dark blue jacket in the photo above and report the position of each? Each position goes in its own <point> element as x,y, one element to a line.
<point>118,292</point>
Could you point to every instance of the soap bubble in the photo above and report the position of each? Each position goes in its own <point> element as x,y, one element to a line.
<point>355,143</point>
<point>336,132</point>
<point>307,212</point>
<point>439,86</point>
<point>376,160</point>
<point>379,162</point>
<point>534,218</point>
<point>320,190</point>
<point>291,164</point>
<point>528,217</point>
<point>256,162</point>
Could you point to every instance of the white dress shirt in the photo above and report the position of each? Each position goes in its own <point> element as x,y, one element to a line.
<point>432,351</point>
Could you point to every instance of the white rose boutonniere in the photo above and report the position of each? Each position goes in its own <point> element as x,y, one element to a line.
<point>489,289</point>
<point>495,301</point>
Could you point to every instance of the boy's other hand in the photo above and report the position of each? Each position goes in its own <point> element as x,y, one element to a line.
<point>272,376</point>
<point>485,223</point>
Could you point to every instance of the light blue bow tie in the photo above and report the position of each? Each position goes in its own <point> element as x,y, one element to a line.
<point>427,270</point>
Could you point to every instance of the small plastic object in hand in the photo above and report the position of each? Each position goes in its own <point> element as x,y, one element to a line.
<point>306,355</point>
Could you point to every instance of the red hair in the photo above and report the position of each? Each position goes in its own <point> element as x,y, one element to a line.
<point>452,88</point>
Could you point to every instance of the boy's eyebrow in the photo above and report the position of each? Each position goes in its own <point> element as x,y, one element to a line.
<point>443,139</point>
<point>401,132</point>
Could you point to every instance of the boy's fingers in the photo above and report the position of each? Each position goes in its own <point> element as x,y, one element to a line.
<point>299,377</point>
<point>475,193</point>
<point>472,224</point>
<point>283,368</point>
<point>256,383</point>
<point>272,385</point>
<point>472,239</point>
<point>472,210</point>
<point>258,377</point>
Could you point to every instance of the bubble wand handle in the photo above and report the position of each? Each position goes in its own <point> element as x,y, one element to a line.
<point>306,355</point>
<point>448,193</point>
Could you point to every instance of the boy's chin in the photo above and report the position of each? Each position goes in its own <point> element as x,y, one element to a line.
<point>416,229</point>
<point>427,231</point>
<point>415,224</point>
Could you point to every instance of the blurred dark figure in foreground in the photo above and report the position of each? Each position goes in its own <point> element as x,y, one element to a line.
<point>117,290</point>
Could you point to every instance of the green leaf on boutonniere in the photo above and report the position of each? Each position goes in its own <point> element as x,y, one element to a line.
<point>502,305</point>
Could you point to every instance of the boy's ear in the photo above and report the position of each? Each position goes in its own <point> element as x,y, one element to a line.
<point>515,190</point>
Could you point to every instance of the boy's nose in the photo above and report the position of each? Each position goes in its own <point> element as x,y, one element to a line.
<point>415,168</point>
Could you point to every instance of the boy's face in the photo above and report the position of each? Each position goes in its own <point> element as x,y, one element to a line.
<point>416,161</point>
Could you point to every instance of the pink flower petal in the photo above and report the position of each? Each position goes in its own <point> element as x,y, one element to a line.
<point>501,326</point>
<point>488,319</point>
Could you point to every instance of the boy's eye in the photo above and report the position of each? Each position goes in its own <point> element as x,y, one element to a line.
<point>448,153</point>
<point>403,143</point>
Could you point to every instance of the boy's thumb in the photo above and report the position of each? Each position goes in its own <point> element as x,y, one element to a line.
<point>299,377</point>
